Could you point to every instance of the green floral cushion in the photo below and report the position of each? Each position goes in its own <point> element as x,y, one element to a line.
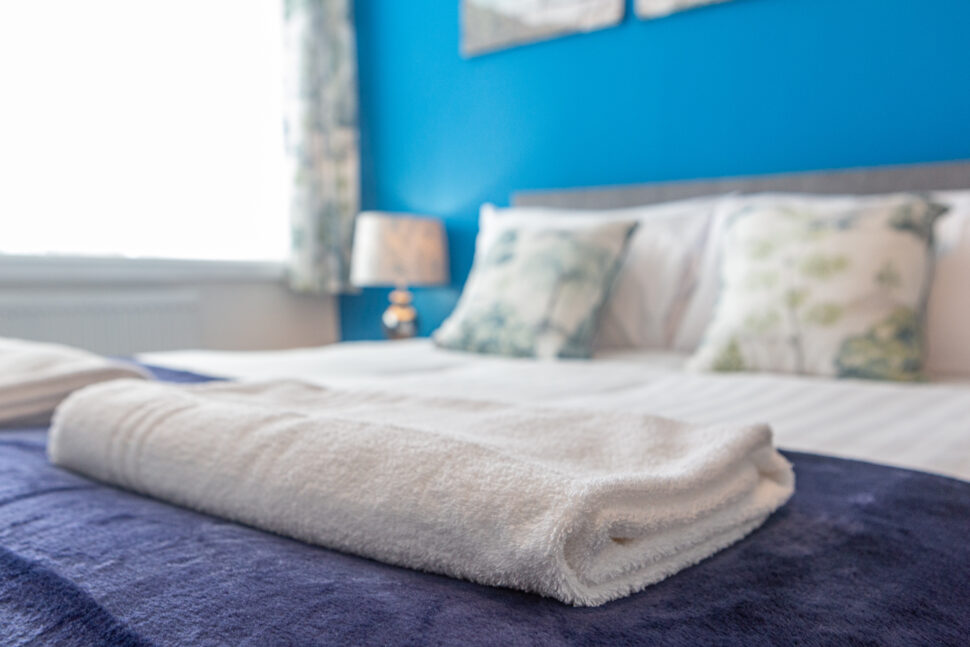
<point>536,292</point>
<point>823,286</point>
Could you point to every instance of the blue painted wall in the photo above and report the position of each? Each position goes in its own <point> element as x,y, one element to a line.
<point>751,86</point>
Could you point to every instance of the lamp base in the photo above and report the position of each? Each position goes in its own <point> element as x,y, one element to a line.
<point>400,320</point>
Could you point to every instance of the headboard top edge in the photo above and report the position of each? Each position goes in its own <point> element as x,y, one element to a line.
<point>929,176</point>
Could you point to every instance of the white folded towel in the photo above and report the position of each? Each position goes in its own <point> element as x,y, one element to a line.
<point>35,377</point>
<point>585,507</point>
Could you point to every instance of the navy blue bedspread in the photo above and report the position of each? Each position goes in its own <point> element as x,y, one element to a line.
<point>862,555</point>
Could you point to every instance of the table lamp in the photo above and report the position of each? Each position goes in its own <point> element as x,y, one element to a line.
<point>400,250</point>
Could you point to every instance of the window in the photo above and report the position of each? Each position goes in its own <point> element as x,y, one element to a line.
<point>142,129</point>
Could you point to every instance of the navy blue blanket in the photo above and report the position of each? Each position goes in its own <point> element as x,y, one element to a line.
<point>862,555</point>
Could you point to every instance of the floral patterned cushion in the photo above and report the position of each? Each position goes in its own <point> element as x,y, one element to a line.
<point>535,291</point>
<point>823,286</point>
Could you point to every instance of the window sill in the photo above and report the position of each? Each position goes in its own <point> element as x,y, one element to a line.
<point>60,270</point>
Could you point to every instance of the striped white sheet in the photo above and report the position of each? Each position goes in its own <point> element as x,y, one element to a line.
<point>920,426</point>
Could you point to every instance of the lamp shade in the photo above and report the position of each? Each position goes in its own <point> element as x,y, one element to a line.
<point>391,249</point>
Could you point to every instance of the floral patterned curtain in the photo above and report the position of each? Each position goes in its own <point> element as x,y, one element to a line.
<point>322,141</point>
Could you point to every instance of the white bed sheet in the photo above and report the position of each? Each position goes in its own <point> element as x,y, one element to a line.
<point>920,426</point>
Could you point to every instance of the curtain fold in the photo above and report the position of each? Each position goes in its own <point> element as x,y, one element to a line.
<point>322,141</point>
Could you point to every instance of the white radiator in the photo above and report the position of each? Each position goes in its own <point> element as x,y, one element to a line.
<point>120,322</point>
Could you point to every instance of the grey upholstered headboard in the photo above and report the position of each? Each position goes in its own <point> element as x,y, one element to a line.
<point>887,179</point>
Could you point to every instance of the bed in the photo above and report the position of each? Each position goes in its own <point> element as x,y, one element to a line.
<point>857,419</point>
<point>871,549</point>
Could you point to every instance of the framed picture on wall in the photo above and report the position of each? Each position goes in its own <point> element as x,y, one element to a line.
<point>647,9</point>
<point>488,25</point>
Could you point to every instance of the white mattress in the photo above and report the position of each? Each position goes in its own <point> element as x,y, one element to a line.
<point>920,426</point>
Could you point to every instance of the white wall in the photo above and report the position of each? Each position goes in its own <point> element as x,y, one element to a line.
<point>248,316</point>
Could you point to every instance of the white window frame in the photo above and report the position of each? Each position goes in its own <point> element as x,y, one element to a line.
<point>87,270</point>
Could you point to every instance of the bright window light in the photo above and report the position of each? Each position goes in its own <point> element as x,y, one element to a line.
<point>142,129</point>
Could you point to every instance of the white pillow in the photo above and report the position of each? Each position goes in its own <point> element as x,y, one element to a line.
<point>657,275</point>
<point>948,311</point>
<point>700,304</point>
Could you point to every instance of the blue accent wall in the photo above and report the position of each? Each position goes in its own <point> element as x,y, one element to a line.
<point>747,87</point>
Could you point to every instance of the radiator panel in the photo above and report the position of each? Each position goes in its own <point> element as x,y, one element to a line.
<point>119,322</point>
